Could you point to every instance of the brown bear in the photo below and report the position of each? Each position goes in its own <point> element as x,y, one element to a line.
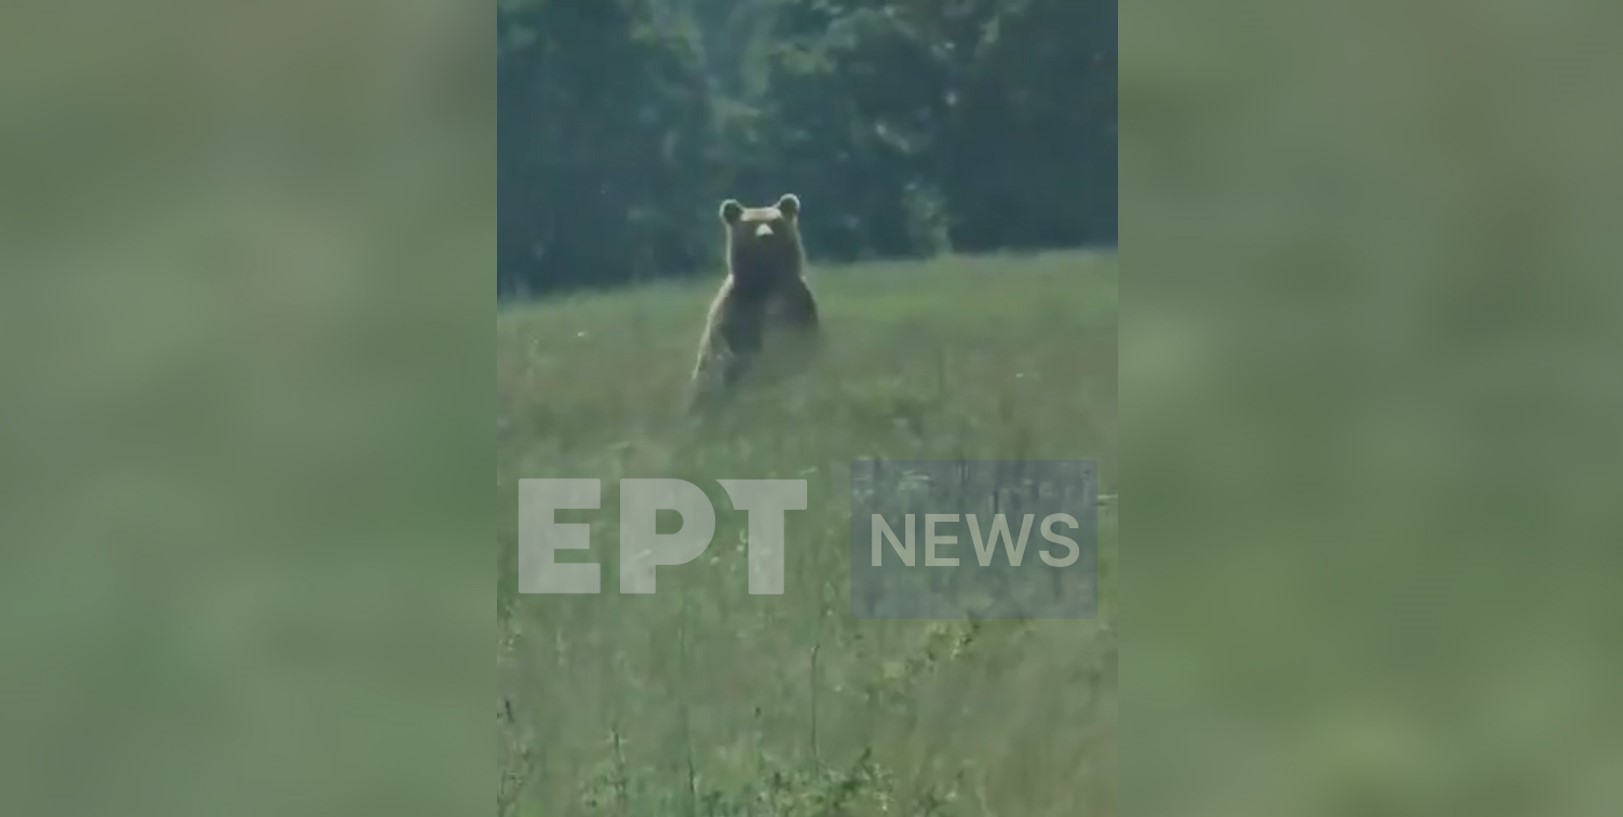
<point>765,297</point>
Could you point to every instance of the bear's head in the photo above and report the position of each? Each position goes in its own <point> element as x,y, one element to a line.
<point>763,243</point>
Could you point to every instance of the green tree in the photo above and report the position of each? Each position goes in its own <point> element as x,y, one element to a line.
<point>605,144</point>
<point>908,126</point>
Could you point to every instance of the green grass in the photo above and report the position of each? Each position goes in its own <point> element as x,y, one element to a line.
<point>702,699</point>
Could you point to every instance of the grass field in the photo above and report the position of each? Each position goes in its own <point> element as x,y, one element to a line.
<point>702,699</point>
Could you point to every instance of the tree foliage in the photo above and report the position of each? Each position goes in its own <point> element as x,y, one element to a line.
<point>908,126</point>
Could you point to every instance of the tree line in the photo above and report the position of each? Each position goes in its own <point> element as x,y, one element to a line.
<point>908,128</point>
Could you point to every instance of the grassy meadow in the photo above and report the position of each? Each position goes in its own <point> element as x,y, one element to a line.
<point>704,700</point>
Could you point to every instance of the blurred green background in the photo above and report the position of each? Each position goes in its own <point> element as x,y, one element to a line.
<point>1370,390</point>
<point>1369,370</point>
<point>246,423</point>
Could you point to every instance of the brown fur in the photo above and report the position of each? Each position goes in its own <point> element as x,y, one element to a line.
<point>765,295</point>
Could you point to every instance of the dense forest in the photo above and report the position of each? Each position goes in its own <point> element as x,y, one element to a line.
<point>908,128</point>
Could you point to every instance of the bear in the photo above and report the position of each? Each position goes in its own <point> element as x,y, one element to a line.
<point>764,297</point>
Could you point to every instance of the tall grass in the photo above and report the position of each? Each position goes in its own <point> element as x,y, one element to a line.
<point>702,699</point>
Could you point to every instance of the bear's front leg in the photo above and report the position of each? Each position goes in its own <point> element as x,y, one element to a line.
<point>802,327</point>
<point>731,343</point>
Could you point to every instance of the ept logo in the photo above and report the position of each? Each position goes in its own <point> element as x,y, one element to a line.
<point>642,549</point>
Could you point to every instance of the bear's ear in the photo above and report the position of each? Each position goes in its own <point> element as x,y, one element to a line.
<point>731,210</point>
<point>789,205</point>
